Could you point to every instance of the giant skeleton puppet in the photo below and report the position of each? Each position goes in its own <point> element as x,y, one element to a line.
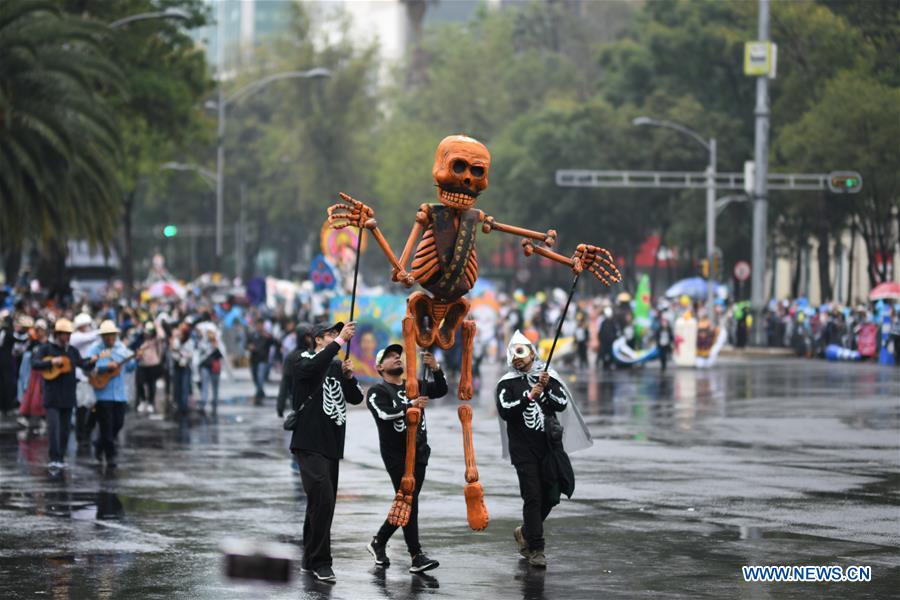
<point>445,264</point>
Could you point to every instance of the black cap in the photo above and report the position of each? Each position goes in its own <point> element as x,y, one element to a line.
<point>389,348</point>
<point>324,328</point>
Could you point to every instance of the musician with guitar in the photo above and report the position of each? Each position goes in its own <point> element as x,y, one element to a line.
<point>114,359</point>
<point>56,361</point>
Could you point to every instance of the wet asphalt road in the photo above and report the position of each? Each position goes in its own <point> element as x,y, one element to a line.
<point>692,475</point>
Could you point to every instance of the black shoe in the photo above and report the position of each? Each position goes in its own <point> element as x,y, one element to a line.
<point>325,574</point>
<point>421,563</point>
<point>520,542</point>
<point>378,553</point>
<point>537,559</point>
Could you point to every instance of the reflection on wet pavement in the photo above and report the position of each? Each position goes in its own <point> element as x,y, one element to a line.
<point>692,475</point>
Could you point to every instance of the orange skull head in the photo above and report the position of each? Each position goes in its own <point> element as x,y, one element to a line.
<point>460,171</point>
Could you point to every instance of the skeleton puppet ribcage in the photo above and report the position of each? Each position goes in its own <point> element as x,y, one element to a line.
<point>426,265</point>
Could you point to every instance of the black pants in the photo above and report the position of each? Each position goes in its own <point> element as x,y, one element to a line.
<point>147,377</point>
<point>664,356</point>
<point>59,423</point>
<point>181,390</point>
<point>606,356</point>
<point>411,530</point>
<point>536,504</point>
<point>111,417</point>
<point>320,481</point>
<point>582,350</point>
<point>84,424</point>
<point>8,376</point>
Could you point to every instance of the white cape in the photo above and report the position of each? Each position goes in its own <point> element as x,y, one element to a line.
<point>575,433</point>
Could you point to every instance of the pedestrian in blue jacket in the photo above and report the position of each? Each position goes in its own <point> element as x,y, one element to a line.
<point>114,359</point>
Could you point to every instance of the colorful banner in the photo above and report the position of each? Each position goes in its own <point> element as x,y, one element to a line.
<point>642,306</point>
<point>379,323</point>
<point>321,274</point>
<point>339,245</point>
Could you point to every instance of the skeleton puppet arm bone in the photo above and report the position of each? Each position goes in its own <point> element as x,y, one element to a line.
<point>598,261</point>
<point>490,224</point>
<point>423,219</point>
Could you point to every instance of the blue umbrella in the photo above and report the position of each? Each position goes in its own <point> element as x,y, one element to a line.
<point>692,287</point>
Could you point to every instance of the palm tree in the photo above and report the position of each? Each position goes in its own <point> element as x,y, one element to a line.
<point>59,146</point>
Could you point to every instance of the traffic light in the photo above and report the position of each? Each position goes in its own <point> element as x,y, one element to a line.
<point>715,265</point>
<point>704,268</point>
<point>844,182</point>
<point>170,231</point>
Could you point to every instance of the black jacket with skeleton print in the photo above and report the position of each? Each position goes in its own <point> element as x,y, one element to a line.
<point>525,417</point>
<point>321,392</point>
<point>388,404</point>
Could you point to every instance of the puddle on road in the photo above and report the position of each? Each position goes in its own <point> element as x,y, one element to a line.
<point>615,550</point>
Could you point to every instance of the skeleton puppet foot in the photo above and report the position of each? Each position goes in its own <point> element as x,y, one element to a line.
<point>476,511</point>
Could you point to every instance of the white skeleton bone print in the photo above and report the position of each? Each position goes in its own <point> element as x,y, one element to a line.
<point>333,403</point>
<point>400,424</point>
<point>534,417</point>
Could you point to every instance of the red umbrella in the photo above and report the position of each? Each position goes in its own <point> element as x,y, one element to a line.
<point>885,291</point>
<point>165,289</point>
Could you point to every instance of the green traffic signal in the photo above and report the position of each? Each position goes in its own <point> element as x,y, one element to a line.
<point>845,183</point>
<point>170,231</point>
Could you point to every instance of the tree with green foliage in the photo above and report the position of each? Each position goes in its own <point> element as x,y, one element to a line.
<point>857,122</point>
<point>158,112</point>
<point>294,144</point>
<point>59,144</point>
<point>486,78</point>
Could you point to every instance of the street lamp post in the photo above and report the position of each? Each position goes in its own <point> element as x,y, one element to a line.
<point>169,13</point>
<point>724,201</point>
<point>710,146</point>
<point>221,104</point>
<point>205,174</point>
<point>209,178</point>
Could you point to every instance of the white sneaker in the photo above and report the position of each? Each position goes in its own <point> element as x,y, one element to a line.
<point>54,465</point>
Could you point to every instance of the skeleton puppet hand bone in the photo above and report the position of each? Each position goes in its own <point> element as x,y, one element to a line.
<point>596,260</point>
<point>350,213</point>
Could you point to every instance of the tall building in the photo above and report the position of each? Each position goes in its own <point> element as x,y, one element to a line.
<point>240,26</point>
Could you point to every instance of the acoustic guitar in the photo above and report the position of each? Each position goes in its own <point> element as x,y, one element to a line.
<point>100,380</point>
<point>56,370</point>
